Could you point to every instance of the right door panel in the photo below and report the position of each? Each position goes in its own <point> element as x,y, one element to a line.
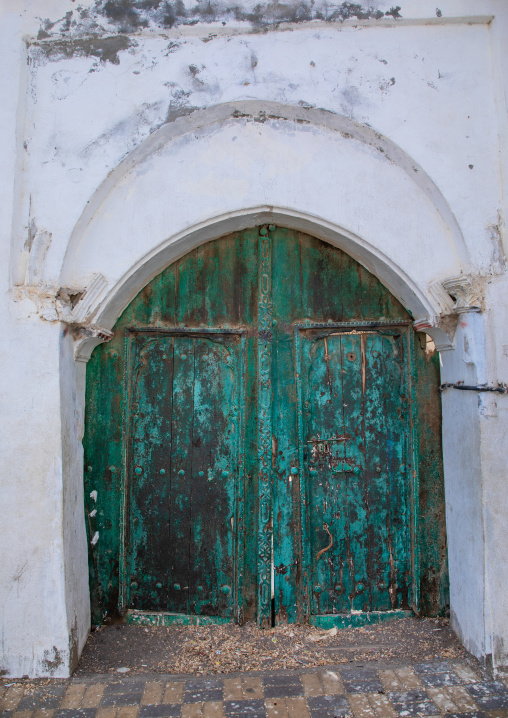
<point>355,445</point>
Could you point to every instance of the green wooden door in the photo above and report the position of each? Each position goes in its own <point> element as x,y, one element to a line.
<point>183,461</point>
<point>354,402</point>
<point>262,443</point>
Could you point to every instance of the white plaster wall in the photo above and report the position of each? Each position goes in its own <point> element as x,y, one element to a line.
<point>100,176</point>
<point>430,93</point>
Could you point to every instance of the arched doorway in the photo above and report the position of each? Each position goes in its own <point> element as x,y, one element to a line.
<point>263,442</point>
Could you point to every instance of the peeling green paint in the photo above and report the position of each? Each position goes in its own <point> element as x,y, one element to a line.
<point>264,400</point>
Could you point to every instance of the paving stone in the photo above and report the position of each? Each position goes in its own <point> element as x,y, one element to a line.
<point>11,698</point>
<point>475,714</point>
<point>173,693</point>
<point>106,712</point>
<point>22,714</point>
<point>203,694</point>
<point>360,680</point>
<point>245,709</point>
<point>121,699</point>
<point>487,688</point>
<point>412,703</point>
<point>462,699</point>
<point>494,702</point>
<point>441,679</point>
<point>466,673</point>
<point>328,706</point>
<point>433,667</point>
<point>281,680</point>
<point>6,714</point>
<point>408,678</point>
<point>127,712</point>
<point>442,699</point>
<point>233,689</point>
<point>46,697</point>
<point>312,685</point>
<point>159,711</point>
<point>192,684</point>
<point>297,708</point>
<point>282,691</point>
<point>40,713</point>
<point>252,688</point>
<point>382,706</point>
<point>390,681</point>
<point>73,696</point>
<point>332,683</point>
<point>93,695</point>
<point>213,709</point>
<point>75,713</point>
<point>192,710</point>
<point>153,693</point>
<point>125,687</point>
<point>276,708</point>
<point>360,705</point>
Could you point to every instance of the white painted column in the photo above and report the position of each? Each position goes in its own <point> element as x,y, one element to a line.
<point>463,481</point>
<point>41,620</point>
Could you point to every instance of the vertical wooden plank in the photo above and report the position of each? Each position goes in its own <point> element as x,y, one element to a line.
<point>286,296</point>
<point>321,279</point>
<point>352,360</point>
<point>399,468</point>
<point>214,472</point>
<point>413,472</point>
<point>377,476</point>
<point>386,443</point>
<point>180,521</point>
<point>102,444</point>
<point>324,447</point>
<point>246,299</point>
<point>265,317</point>
<point>148,470</point>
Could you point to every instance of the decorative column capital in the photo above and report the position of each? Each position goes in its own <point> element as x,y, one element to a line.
<point>431,326</point>
<point>466,293</point>
<point>87,338</point>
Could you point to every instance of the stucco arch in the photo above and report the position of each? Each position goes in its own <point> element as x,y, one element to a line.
<point>239,164</point>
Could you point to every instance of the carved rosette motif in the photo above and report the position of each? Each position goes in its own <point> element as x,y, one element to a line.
<point>265,322</point>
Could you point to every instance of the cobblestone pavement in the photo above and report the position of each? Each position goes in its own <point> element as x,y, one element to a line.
<point>451,688</point>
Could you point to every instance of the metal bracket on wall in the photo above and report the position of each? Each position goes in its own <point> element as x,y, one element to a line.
<point>500,389</point>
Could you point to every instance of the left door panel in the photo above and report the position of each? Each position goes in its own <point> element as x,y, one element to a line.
<point>184,478</point>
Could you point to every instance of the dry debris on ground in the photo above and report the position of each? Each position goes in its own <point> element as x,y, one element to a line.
<point>200,650</point>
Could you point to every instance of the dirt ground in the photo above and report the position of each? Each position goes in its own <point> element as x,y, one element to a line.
<point>230,648</point>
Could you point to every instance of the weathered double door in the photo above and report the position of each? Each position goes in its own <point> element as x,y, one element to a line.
<point>250,429</point>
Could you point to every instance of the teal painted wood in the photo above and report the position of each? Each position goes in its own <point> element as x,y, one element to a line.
<point>184,478</point>
<point>354,432</point>
<point>231,288</point>
<point>265,437</point>
<point>147,618</point>
<point>356,620</point>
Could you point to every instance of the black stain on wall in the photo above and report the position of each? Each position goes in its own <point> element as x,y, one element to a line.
<point>106,49</point>
<point>128,16</point>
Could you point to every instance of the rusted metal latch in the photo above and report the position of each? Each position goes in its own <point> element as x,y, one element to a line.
<point>501,389</point>
<point>324,550</point>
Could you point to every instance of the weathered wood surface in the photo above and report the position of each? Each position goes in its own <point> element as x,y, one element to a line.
<point>205,472</point>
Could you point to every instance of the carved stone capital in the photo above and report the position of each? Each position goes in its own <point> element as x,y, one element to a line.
<point>466,293</point>
<point>431,326</point>
<point>87,338</point>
